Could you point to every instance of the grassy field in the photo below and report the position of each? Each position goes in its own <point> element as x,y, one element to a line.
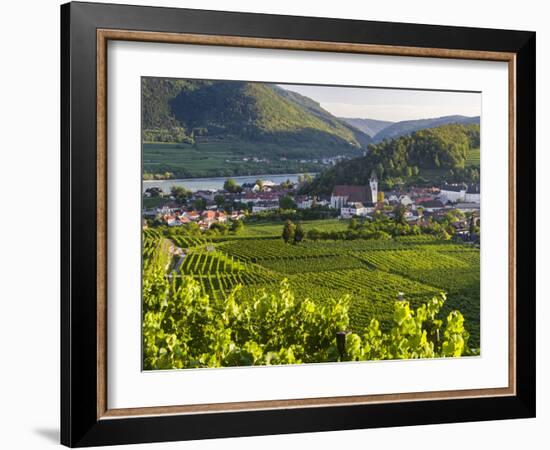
<point>218,158</point>
<point>372,272</point>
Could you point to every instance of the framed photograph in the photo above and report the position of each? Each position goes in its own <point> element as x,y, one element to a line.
<point>276,224</point>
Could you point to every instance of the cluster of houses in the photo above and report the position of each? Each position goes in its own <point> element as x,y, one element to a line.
<point>326,161</point>
<point>349,200</point>
<point>362,201</point>
<point>174,216</point>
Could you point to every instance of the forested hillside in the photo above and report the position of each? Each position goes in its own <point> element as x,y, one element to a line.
<point>187,110</point>
<point>425,154</point>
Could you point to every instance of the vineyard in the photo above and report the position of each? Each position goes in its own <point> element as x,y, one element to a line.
<point>473,157</point>
<point>371,272</point>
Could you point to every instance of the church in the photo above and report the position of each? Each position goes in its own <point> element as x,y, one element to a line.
<point>347,194</point>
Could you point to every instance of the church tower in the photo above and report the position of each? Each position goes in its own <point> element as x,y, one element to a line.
<point>373,182</point>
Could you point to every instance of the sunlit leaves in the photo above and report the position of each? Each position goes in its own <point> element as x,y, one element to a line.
<point>185,328</point>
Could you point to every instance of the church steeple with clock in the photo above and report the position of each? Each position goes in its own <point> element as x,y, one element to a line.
<point>373,183</point>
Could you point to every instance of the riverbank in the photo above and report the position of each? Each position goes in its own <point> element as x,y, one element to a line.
<point>216,183</point>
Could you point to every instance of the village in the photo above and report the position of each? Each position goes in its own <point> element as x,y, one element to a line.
<point>417,205</point>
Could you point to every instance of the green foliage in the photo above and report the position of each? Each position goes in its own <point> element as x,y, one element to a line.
<point>199,204</point>
<point>289,230</point>
<point>182,327</point>
<point>180,193</point>
<point>185,328</point>
<point>415,334</point>
<point>237,226</point>
<point>286,202</point>
<point>426,154</point>
<point>220,200</point>
<point>158,121</point>
<point>299,233</point>
<point>371,270</point>
<point>399,214</point>
<point>231,185</point>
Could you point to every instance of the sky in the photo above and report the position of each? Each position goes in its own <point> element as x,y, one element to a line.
<point>390,104</point>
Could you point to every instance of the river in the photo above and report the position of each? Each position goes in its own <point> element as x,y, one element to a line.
<point>198,184</point>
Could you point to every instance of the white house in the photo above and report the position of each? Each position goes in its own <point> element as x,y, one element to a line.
<point>350,210</point>
<point>405,200</point>
<point>265,206</point>
<point>453,193</point>
<point>303,202</point>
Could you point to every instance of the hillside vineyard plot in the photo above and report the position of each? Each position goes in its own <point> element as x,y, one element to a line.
<point>372,272</point>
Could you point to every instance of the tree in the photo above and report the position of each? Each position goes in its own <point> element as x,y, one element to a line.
<point>287,202</point>
<point>353,224</point>
<point>237,226</point>
<point>218,227</point>
<point>199,204</point>
<point>380,169</point>
<point>286,184</point>
<point>442,234</point>
<point>305,178</point>
<point>288,231</point>
<point>220,200</point>
<point>260,184</point>
<point>231,186</point>
<point>180,193</point>
<point>154,192</point>
<point>399,213</point>
<point>299,233</point>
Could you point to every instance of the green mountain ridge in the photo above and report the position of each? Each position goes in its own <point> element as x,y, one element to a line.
<point>188,111</point>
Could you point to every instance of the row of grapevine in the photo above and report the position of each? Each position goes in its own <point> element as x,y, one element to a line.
<point>402,261</point>
<point>372,271</point>
<point>311,264</point>
<point>188,242</point>
<point>200,262</point>
<point>373,291</point>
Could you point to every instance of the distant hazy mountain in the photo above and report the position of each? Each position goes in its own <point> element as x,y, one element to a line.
<point>407,127</point>
<point>367,126</point>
